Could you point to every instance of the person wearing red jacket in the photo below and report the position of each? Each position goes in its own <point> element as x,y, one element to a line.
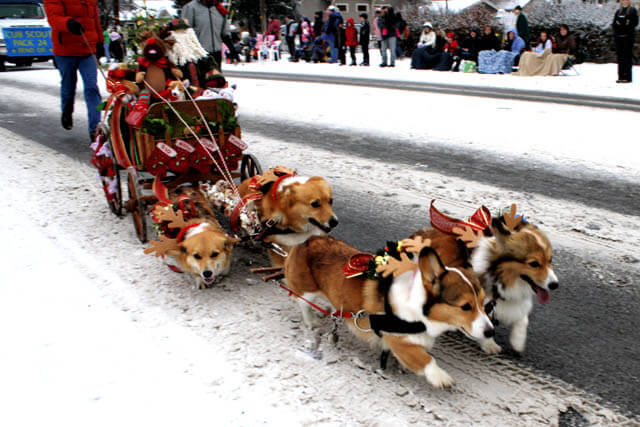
<point>75,33</point>
<point>351,35</point>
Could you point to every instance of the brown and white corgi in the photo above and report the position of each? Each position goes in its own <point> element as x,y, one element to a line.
<point>200,246</point>
<point>412,303</point>
<point>514,265</point>
<point>292,207</point>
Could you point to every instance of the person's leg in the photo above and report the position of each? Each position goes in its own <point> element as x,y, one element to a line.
<point>334,49</point>
<point>365,54</point>
<point>392,51</point>
<point>384,45</point>
<point>628,58</point>
<point>89,73</point>
<point>68,69</point>
<point>620,57</point>
<point>352,51</point>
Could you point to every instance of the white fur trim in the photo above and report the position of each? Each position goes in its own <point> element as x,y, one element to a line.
<point>196,230</point>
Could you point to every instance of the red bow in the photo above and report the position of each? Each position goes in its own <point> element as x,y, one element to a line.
<point>116,88</point>
<point>357,265</point>
<point>162,62</point>
<point>480,220</point>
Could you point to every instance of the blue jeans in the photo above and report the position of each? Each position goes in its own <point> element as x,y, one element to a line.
<point>107,54</point>
<point>331,38</point>
<point>68,66</point>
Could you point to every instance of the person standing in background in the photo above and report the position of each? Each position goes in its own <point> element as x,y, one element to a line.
<point>76,33</point>
<point>522,25</point>
<point>624,25</point>
<point>351,35</point>
<point>209,21</point>
<point>273,29</point>
<point>317,24</point>
<point>365,35</point>
<point>106,43</point>
<point>291,30</point>
<point>389,39</point>
<point>116,45</point>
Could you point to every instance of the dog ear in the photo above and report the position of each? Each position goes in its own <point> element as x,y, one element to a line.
<point>431,267</point>
<point>230,241</point>
<point>264,189</point>
<point>464,252</point>
<point>499,228</point>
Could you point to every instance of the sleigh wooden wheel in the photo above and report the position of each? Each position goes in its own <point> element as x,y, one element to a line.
<point>250,166</point>
<point>136,206</point>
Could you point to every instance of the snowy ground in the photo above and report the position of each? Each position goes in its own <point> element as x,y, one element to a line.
<point>108,335</point>
<point>103,334</point>
<point>593,79</point>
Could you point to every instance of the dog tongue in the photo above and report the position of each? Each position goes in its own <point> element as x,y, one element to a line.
<point>543,295</point>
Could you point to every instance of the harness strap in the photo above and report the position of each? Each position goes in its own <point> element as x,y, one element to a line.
<point>387,322</point>
<point>320,309</point>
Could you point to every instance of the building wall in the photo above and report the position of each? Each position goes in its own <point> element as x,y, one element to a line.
<point>348,8</point>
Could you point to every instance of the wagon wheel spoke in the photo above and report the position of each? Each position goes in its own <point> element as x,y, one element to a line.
<point>249,167</point>
<point>137,208</point>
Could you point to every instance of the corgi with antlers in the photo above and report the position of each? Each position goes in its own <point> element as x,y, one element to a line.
<point>400,301</point>
<point>512,258</point>
<point>198,244</point>
<point>290,207</point>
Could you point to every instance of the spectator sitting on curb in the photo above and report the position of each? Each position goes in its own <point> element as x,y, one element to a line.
<point>565,42</point>
<point>471,46</point>
<point>427,37</point>
<point>489,41</point>
<point>544,42</point>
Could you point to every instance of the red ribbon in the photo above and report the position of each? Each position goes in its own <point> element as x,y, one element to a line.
<point>480,220</point>
<point>357,265</point>
<point>162,62</point>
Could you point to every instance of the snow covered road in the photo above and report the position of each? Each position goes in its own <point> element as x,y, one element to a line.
<point>242,344</point>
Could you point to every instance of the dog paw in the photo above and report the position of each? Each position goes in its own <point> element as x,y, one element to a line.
<point>490,347</point>
<point>518,345</point>
<point>436,376</point>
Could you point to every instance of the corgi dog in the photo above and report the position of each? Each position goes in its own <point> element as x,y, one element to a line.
<point>291,208</point>
<point>177,89</point>
<point>513,260</point>
<point>199,244</point>
<point>404,310</point>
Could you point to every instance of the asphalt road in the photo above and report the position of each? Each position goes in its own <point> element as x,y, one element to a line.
<point>587,335</point>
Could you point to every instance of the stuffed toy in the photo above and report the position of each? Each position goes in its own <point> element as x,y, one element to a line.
<point>185,50</point>
<point>154,67</point>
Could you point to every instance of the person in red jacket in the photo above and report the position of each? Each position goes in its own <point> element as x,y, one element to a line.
<point>351,39</point>
<point>75,33</point>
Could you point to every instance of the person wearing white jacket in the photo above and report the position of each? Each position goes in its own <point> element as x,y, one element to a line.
<point>428,36</point>
<point>544,42</point>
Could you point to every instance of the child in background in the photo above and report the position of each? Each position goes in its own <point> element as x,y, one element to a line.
<point>341,44</point>
<point>351,35</point>
<point>365,35</point>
